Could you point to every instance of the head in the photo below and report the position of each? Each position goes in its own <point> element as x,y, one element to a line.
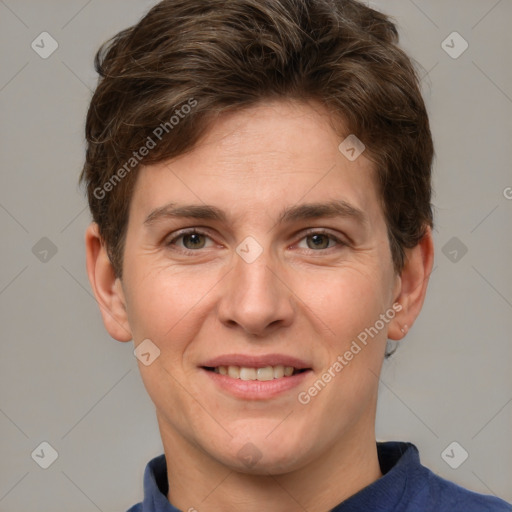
<point>229,219</point>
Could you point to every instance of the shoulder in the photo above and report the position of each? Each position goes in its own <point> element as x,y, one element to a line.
<point>412,487</point>
<point>445,496</point>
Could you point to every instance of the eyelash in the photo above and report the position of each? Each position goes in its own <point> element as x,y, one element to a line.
<point>195,231</point>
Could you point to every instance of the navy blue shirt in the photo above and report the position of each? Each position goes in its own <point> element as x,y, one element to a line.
<point>406,486</point>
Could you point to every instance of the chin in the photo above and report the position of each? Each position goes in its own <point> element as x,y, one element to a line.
<point>264,457</point>
<point>268,465</point>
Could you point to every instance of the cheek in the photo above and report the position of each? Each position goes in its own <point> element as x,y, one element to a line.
<point>165,302</point>
<point>346,300</point>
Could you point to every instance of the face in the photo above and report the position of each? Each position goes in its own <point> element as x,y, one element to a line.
<point>263,247</point>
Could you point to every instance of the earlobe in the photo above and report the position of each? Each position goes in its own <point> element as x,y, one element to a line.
<point>106,286</point>
<point>413,285</point>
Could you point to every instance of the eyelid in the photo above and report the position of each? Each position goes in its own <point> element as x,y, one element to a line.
<point>203,231</point>
<point>175,235</point>
<point>323,231</point>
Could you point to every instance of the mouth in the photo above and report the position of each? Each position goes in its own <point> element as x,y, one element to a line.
<point>261,374</point>
<point>260,377</point>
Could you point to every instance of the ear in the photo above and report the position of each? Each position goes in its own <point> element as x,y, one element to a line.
<point>412,287</point>
<point>106,286</point>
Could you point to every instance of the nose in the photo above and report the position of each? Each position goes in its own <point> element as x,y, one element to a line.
<point>256,298</point>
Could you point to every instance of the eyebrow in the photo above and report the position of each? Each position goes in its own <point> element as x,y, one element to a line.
<point>336,208</point>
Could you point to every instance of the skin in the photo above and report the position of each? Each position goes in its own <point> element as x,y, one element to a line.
<point>295,299</point>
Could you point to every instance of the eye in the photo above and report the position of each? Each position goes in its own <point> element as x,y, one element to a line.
<point>319,241</point>
<point>191,240</point>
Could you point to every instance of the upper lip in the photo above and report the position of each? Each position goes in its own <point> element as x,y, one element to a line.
<point>253,361</point>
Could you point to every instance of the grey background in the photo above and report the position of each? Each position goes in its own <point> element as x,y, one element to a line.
<point>65,381</point>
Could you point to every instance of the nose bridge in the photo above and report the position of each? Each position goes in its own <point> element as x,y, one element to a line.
<point>254,298</point>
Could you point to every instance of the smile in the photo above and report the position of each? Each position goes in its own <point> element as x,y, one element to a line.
<point>255,376</point>
<point>262,374</point>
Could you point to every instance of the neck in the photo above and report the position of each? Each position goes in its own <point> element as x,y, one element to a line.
<point>199,482</point>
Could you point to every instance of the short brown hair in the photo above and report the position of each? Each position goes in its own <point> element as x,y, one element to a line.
<point>217,56</point>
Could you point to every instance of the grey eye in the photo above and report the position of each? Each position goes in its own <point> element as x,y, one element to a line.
<point>318,241</point>
<point>194,241</point>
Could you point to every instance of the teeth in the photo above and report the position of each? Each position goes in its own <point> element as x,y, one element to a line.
<point>247,373</point>
<point>266,373</point>
<point>234,372</point>
<point>278,372</point>
<point>262,374</point>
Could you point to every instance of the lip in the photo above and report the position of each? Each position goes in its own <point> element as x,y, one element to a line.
<point>255,389</point>
<point>253,361</point>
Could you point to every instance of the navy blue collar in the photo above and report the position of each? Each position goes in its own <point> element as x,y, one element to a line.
<point>400,467</point>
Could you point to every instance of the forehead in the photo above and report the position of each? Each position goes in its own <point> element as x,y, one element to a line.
<point>260,159</point>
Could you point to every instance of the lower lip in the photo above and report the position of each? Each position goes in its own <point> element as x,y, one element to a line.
<point>256,389</point>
